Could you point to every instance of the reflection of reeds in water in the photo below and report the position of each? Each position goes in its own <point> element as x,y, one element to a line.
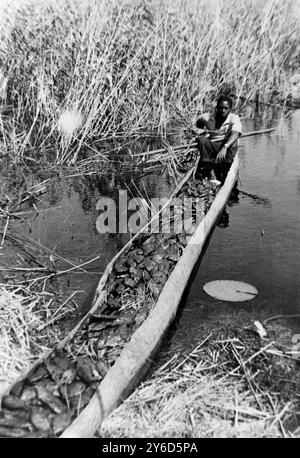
<point>127,64</point>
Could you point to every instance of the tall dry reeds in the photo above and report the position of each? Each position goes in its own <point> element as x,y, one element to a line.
<point>125,64</point>
<point>19,342</point>
<point>28,328</point>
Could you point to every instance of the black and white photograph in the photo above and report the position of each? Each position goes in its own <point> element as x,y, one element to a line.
<point>149,222</point>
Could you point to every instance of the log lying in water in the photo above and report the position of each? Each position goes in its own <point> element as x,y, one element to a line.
<point>194,144</point>
<point>57,389</point>
<point>132,362</point>
<point>53,380</point>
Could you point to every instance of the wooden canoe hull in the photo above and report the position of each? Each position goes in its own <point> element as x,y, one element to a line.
<point>135,357</point>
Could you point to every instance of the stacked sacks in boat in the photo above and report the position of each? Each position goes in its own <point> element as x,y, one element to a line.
<point>146,265</point>
<point>202,189</point>
<point>137,279</point>
<point>48,399</point>
<point>187,160</point>
<point>150,260</point>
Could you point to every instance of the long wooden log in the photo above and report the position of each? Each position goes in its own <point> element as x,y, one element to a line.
<point>99,295</point>
<point>100,292</point>
<point>123,376</point>
<point>194,144</point>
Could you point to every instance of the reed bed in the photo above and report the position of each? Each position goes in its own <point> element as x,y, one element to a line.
<point>28,328</point>
<point>19,340</point>
<point>74,73</point>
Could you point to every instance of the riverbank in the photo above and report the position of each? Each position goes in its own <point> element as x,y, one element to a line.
<point>54,297</point>
<point>121,85</point>
<point>237,382</point>
<point>233,384</point>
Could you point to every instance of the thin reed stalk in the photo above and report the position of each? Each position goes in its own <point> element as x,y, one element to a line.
<point>124,66</point>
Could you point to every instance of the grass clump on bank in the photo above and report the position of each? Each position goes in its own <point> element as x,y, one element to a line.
<point>26,330</point>
<point>124,65</point>
<point>233,384</point>
<point>19,340</point>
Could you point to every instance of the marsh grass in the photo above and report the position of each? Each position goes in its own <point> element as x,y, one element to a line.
<point>219,389</point>
<point>131,65</point>
<point>28,328</point>
<point>20,342</point>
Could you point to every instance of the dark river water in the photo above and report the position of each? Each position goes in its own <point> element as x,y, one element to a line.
<point>259,245</point>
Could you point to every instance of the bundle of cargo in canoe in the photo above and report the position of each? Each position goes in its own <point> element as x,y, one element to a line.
<point>71,390</point>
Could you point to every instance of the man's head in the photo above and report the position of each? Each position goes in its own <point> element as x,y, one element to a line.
<point>224,106</point>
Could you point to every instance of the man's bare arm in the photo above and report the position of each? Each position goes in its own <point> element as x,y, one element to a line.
<point>231,140</point>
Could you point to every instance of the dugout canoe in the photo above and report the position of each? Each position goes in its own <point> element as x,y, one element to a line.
<point>135,357</point>
<point>136,354</point>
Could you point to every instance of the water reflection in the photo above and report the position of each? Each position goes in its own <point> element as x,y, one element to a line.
<point>260,246</point>
<point>279,165</point>
<point>223,221</point>
<point>260,200</point>
<point>298,185</point>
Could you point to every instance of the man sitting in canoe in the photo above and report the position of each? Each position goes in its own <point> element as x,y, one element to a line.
<point>217,142</point>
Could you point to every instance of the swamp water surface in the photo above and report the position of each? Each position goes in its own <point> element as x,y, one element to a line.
<point>258,245</point>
